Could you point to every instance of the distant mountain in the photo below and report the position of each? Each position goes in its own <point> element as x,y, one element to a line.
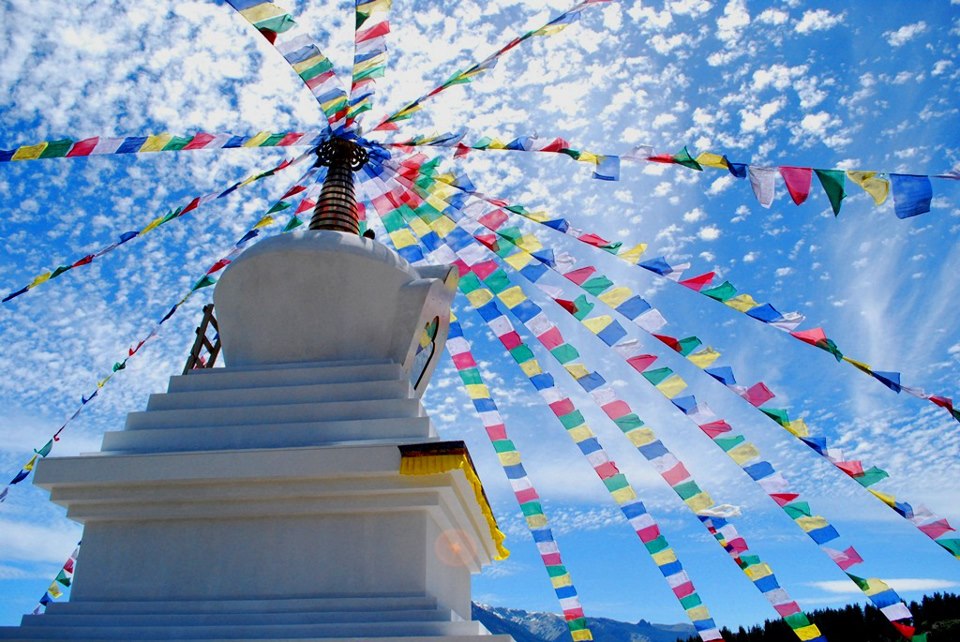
<point>548,627</point>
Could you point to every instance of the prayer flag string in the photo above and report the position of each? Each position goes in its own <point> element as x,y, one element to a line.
<point>467,75</point>
<point>912,193</point>
<point>483,301</point>
<point>724,292</point>
<point>301,53</point>
<point>206,280</point>
<point>649,319</point>
<point>173,214</point>
<point>369,55</point>
<point>744,454</point>
<point>63,579</point>
<point>101,145</point>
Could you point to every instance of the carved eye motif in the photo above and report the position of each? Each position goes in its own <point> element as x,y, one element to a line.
<point>425,351</point>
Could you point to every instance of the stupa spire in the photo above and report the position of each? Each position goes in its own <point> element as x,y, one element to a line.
<point>336,208</point>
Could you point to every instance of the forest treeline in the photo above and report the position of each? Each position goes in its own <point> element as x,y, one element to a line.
<point>937,615</point>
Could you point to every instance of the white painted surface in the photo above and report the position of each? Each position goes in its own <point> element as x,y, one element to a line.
<point>262,501</point>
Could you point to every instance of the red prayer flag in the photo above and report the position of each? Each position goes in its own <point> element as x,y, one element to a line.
<point>580,276</point>
<point>199,141</point>
<point>83,147</point>
<point>798,181</point>
<point>697,283</point>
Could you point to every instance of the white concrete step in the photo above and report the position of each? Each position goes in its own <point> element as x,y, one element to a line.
<point>274,414</point>
<point>276,605</point>
<point>286,435</point>
<point>67,629</point>
<point>289,394</point>
<point>283,375</point>
<point>243,619</point>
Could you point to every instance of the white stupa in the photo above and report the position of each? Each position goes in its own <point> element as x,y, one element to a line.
<point>298,493</point>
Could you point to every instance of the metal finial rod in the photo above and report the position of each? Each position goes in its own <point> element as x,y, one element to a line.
<point>336,207</point>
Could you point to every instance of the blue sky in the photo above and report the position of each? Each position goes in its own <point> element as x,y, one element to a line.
<point>827,85</point>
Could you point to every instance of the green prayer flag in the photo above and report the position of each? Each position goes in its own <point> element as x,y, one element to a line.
<point>597,285</point>
<point>504,446</point>
<point>778,415</point>
<point>531,508</point>
<point>572,419</point>
<point>522,353</point>
<point>688,345</point>
<point>684,158</point>
<point>583,307</point>
<point>615,482</point>
<point>797,620</point>
<point>832,181</point>
<point>294,223</point>
<point>722,292</point>
<point>498,281</point>
<point>57,148</point>
<point>628,422</point>
<point>656,545</point>
<point>565,353</point>
<point>204,282</point>
<point>871,476</point>
<point>470,376</point>
<point>729,443</point>
<point>797,509</point>
<point>686,490</point>
<point>656,375</point>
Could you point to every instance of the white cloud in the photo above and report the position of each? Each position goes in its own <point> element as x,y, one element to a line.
<point>845,587</point>
<point>694,215</point>
<point>905,33</point>
<point>773,17</point>
<point>756,120</point>
<point>729,26</point>
<point>709,233</point>
<point>818,20</point>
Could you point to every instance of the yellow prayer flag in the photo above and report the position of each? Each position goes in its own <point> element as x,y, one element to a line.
<point>257,139</point>
<point>743,453</point>
<point>265,221</point>
<point>741,302</point>
<point>479,298</point>
<point>616,296</point>
<point>811,523</point>
<point>519,260</point>
<point>641,436</point>
<point>581,432</point>
<point>54,591</point>
<point>589,157</point>
<point>531,368</point>
<point>152,225</point>
<point>597,324</point>
<point>704,358</point>
<point>886,498</point>
<point>624,495</point>
<point>561,580</point>
<point>262,11</point>
<point>698,612</point>
<point>29,152</point>
<point>583,635</point>
<point>31,463</point>
<point>875,586</point>
<point>700,501</point>
<point>709,159</point>
<point>665,556</point>
<point>529,242</point>
<point>443,226</point>
<point>798,427</point>
<point>379,59</point>
<point>858,364</point>
<point>577,370</point>
<point>809,632</point>
<point>402,238</point>
<point>513,297</point>
<point>672,386</point>
<point>536,521</point>
<point>43,278</point>
<point>758,571</point>
<point>312,61</point>
<point>509,459</point>
<point>155,143</point>
<point>878,188</point>
<point>539,216</point>
<point>437,202</point>
<point>477,391</point>
<point>419,228</point>
<point>633,255</point>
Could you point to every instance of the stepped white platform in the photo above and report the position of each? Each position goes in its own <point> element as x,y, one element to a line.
<point>264,500</point>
